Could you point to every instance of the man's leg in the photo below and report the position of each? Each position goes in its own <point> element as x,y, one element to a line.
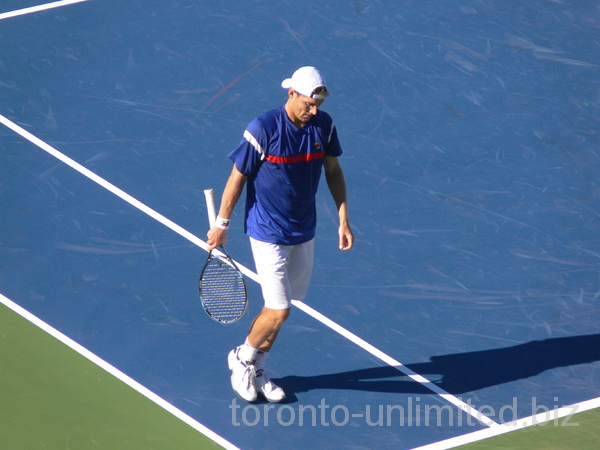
<point>246,378</point>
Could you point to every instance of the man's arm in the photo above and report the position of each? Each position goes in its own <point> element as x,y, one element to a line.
<point>231,195</point>
<point>337,186</point>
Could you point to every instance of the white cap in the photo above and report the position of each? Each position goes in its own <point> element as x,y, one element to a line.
<point>305,80</point>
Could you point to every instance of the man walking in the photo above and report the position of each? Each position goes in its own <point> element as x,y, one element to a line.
<point>280,160</point>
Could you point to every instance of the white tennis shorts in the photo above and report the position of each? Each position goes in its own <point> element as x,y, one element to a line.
<point>284,271</point>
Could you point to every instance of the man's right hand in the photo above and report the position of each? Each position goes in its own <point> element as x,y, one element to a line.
<point>216,237</point>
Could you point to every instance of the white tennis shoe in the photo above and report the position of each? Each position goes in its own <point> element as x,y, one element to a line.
<point>267,388</point>
<point>243,375</point>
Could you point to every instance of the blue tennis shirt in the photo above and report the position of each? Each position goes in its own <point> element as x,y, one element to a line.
<point>283,164</point>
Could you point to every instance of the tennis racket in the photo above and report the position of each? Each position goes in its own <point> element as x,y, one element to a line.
<point>222,287</point>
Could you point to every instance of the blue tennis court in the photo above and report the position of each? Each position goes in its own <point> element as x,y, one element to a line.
<point>471,137</point>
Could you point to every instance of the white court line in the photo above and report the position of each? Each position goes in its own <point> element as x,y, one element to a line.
<point>117,373</point>
<point>32,9</point>
<point>543,419</point>
<point>200,243</point>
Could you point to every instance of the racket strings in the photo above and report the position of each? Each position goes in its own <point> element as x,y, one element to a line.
<point>223,291</point>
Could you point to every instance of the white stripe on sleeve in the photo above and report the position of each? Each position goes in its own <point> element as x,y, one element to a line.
<point>330,132</point>
<point>254,144</point>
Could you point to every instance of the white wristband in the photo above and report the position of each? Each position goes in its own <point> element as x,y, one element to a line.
<point>222,223</point>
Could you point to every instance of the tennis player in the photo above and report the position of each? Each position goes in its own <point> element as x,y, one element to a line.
<point>280,160</point>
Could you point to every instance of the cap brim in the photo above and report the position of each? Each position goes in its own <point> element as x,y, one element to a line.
<point>287,83</point>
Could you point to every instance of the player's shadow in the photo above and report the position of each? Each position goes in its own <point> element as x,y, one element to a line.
<point>460,372</point>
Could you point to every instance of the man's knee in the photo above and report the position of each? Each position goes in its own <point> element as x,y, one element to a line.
<point>277,316</point>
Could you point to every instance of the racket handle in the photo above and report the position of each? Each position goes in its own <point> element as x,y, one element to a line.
<point>209,194</point>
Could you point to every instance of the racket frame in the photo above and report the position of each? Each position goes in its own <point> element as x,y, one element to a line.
<point>224,257</point>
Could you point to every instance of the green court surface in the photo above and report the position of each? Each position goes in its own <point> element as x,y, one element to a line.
<point>53,398</point>
<point>586,435</point>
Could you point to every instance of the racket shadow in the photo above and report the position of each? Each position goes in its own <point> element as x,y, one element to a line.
<point>461,372</point>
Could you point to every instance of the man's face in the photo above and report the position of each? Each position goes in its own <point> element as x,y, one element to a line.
<point>301,108</point>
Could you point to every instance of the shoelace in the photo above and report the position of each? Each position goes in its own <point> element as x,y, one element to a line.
<point>267,381</point>
<point>248,375</point>
<point>250,370</point>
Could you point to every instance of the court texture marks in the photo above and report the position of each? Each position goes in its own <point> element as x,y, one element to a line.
<point>468,310</point>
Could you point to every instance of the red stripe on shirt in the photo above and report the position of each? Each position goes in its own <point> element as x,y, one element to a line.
<point>295,158</point>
